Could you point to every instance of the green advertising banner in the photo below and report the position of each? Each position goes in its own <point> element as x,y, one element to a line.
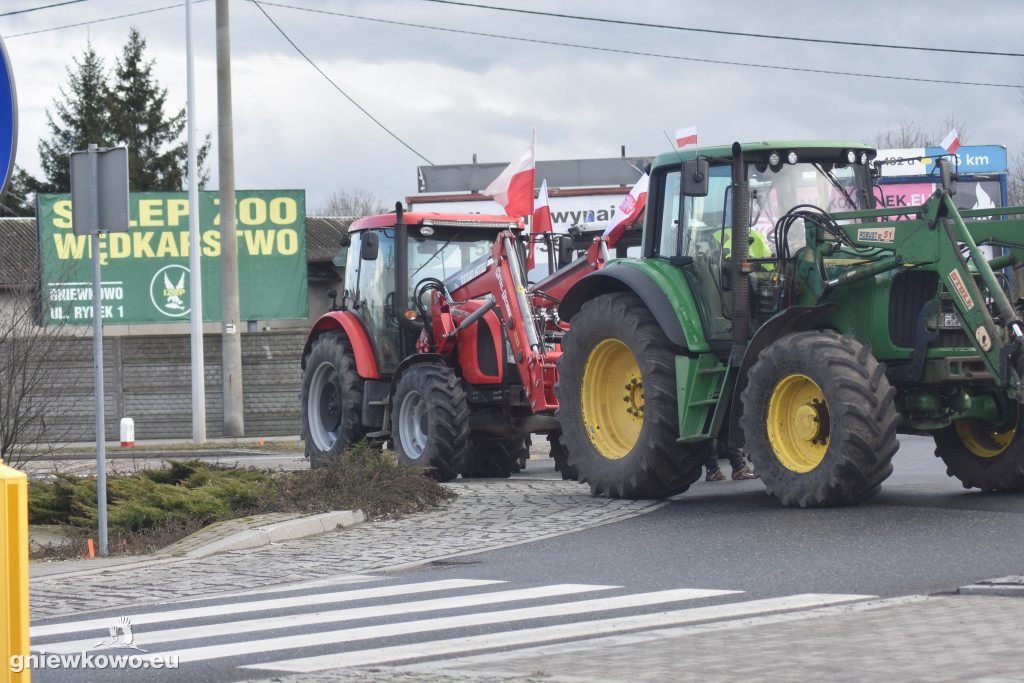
<point>145,271</point>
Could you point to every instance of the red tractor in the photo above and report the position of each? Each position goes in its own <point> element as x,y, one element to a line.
<point>438,346</point>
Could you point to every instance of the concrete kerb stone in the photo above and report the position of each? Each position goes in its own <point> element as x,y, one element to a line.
<point>1007,586</point>
<point>287,530</point>
<point>209,541</point>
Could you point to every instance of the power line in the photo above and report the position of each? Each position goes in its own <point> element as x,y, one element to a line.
<point>766,36</point>
<point>97,21</point>
<point>36,9</point>
<point>644,54</point>
<point>337,87</point>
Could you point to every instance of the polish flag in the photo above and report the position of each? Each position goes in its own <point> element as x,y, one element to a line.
<point>951,143</point>
<point>628,210</point>
<point>686,136</point>
<point>513,189</point>
<point>541,219</point>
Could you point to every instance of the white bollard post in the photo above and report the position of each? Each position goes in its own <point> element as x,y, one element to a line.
<point>127,432</point>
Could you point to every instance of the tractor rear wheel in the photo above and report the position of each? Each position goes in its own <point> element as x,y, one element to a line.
<point>332,396</point>
<point>981,457</point>
<point>617,402</point>
<point>492,459</point>
<point>430,420</point>
<point>819,420</point>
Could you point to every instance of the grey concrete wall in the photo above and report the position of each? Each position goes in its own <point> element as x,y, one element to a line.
<point>149,379</point>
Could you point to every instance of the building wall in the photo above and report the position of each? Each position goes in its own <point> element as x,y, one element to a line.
<point>148,378</point>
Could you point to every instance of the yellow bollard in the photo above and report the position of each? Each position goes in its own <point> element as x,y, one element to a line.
<point>14,574</point>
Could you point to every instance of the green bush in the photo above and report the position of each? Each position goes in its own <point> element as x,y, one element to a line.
<point>171,503</point>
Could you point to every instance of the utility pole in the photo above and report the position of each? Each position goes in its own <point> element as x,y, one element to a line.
<point>195,250</point>
<point>231,337</point>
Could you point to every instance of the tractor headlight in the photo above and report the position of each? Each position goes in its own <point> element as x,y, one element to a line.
<point>791,157</point>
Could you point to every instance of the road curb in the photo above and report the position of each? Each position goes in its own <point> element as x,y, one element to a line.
<point>280,531</point>
<point>1007,586</point>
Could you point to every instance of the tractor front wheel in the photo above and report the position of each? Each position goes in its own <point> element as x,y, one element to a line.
<point>617,402</point>
<point>819,420</point>
<point>332,395</point>
<point>982,457</point>
<point>430,420</point>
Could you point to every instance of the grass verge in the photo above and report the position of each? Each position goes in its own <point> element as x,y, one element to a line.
<point>154,508</point>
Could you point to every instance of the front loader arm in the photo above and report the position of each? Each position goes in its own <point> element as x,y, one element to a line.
<point>937,236</point>
<point>500,278</point>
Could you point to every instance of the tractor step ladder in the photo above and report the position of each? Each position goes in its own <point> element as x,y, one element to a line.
<point>700,382</point>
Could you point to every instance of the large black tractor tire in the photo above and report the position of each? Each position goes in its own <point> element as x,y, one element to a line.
<point>430,420</point>
<point>983,458</point>
<point>617,402</point>
<point>561,457</point>
<point>492,459</point>
<point>819,420</point>
<point>331,402</point>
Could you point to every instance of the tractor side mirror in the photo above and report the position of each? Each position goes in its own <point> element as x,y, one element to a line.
<point>695,178</point>
<point>369,247</point>
<point>947,176</point>
<point>565,250</point>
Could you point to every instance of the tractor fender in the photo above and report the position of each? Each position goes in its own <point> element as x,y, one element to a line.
<point>352,327</point>
<point>788,321</point>
<point>416,359</point>
<point>618,279</point>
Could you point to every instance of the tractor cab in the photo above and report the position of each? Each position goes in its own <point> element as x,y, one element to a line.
<point>694,229</point>
<point>392,258</point>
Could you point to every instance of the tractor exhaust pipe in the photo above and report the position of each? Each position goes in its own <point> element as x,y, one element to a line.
<point>740,252</point>
<point>401,302</point>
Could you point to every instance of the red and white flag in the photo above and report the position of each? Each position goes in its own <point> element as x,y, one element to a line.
<point>686,136</point>
<point>628,210</point>
<point>541,219</point>
<point>513,189</point>
<point>951,143</point>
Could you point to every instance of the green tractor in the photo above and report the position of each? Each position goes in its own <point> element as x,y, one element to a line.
<point>774,307</point>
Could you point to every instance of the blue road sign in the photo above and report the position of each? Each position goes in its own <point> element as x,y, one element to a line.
<point>8,120</point>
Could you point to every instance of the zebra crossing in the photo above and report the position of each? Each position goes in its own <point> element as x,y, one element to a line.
<point>368,620</point>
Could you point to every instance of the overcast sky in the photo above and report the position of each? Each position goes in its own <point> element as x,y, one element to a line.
<point>450,94</point>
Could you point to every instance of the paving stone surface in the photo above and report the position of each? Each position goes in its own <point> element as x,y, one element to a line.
<point>487,514</point>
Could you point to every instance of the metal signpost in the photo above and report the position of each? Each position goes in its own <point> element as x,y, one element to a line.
<point>99,202</point>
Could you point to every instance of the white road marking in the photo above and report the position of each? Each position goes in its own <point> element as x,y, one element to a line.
<point>347,615</point>
<point>260,605</point>
<point>424,625</point>
<point>532,636</point>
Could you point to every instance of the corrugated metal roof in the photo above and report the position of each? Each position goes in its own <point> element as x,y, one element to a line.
<point>323,236</point>
<point>19,245</point>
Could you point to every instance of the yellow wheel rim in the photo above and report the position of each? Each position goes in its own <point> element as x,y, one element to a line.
<point>612,399</point>
<point>799,426</point>
<point>981,440</point>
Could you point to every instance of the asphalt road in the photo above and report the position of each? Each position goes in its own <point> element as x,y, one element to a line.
<point>720,551</point>
<point>922,533</point>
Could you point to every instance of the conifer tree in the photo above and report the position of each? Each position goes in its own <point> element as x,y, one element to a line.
<point>125,107</point>
<point>157,154</point>
<point>80,116</point>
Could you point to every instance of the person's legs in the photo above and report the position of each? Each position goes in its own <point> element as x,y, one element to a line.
<point>711,464</point>
<point>740,469</point>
